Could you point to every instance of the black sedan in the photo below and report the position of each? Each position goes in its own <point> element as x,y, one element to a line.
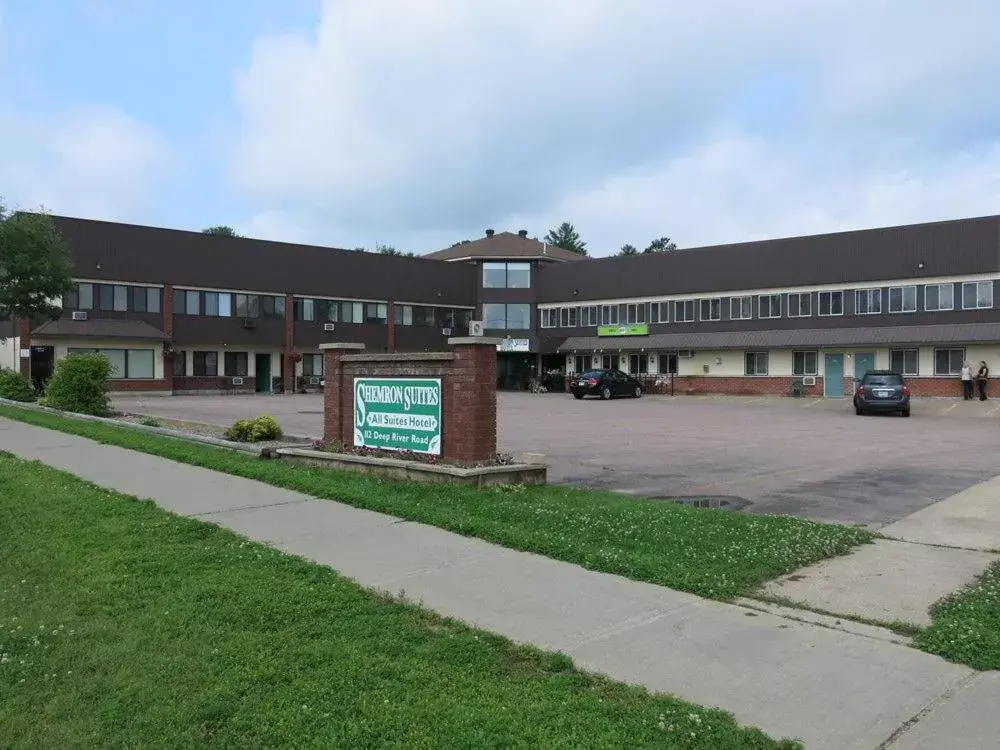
<point>606,384</point>
<point>882,391</point>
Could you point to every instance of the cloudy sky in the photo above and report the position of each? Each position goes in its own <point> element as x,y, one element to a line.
<point>418,123</point>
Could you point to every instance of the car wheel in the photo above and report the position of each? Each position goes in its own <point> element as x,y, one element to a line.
<point>578,396</point>
<point>638,391</point>
<point>605,393</point>
<point>905,412</point>
<point>858,410</point>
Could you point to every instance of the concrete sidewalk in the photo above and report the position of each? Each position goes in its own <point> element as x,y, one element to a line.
<point>830,688</point>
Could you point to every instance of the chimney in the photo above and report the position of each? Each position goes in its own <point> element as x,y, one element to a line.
<point>522,233</point>
<point>489,232</point>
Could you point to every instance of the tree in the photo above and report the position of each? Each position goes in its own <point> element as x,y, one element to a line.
<point>628,250</point>
<point>382,249</point>
<point>222,230</point>
<point>35,266</point>
<point>566,237</point>
<point>660,245</point>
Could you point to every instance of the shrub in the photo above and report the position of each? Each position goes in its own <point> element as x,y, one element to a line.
<point>16,387</point>
<point>80,384</point>
<point>257,430</point>
<point>150,422</point>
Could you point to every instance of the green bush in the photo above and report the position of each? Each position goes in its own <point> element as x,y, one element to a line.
<point>80,384</point>
<point>16,387</point>
<point>257,430</point>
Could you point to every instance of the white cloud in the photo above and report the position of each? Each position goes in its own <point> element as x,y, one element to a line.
<point>97,163</point>
<point>707,121</point>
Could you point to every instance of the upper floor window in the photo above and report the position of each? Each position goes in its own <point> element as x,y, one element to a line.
<point>659,312</point>
<point>684,311</point>
<point>939,297</point>
<point>512,317</point>
<point>227,305</point>
<point>741,308</point>
<point>559,317</point>
<point>609,315</point>
<point>831,303</point>
<point>868,301</point>
<point>633,313</point>
<point>902,299</point>
<point>590,315</point>
<point>711,309</point>
<point>769,305</point>
<point>977,295</point>
<point>506,275</point>
<point>799,304</point>
<point>112,298</point>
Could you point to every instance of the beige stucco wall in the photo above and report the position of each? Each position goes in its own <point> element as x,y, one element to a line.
<point>10,357</point>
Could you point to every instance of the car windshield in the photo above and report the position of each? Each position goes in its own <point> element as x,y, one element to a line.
<point>594,374</point>
<point>883,380</point>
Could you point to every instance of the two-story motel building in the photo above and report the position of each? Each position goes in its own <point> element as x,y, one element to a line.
<point>184,312</point>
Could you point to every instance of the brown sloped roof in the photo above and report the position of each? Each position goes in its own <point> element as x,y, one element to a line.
<point>952,333</point>
<point>505,245</point>
<point>99,328</point>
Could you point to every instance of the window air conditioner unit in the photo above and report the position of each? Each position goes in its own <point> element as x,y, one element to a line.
<point>810,380</point>
<point>685,354</point>
<point>476,328</point>
<point>313,381</point>
<point>446,332</point>
<point>79,315</point>
<point>237,381</point>
<point>329,326</point>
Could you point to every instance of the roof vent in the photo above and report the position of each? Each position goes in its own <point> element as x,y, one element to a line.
<point>522,233</point>
<point>489,232</point>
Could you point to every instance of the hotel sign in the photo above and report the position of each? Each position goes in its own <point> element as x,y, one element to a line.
<point>514,345</point>
<point>398,414</point>
<point>634,329</point>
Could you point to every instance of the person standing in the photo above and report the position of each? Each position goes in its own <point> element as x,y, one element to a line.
<point>982,378</point>
<point>967,381</point>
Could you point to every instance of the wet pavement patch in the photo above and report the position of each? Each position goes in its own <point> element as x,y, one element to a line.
<point>719,502</point>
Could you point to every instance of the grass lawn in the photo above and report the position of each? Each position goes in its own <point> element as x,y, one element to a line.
<point>712,553</point>
<point>965,627</point>
<point>122,625</point>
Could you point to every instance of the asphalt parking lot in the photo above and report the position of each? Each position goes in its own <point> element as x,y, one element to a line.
<point>807,457</point>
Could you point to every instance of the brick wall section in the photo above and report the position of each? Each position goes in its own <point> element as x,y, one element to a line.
<point>468,385</point>
<point>935,387</point>
<point>137,386</point>
<point>747,386</point>
<point>288,346</point>
<point>213,383</point>
<point>24,333</point>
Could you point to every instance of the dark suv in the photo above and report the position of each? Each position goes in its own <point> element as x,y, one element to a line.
<point>882,391</point>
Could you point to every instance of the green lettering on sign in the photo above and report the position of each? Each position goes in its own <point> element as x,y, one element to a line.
<point>633,329</point>
<point>398,414</point>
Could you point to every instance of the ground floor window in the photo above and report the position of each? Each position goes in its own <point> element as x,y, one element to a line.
<point>638,364</point>
<point>609,362</point>
<point>126,364</point>
<point>948,361</point>
<point>756,363</point>
<point>582,363</point>
<point>312,365</point>
<point>668,364</point>
<point>904,361</point>
<point>237,364</point>
<point>206,364</point>
<point>180,364</point>
<point>804,363</point>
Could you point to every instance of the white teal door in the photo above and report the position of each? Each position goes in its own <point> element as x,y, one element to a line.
<point>833,375</point>
<point>863,362</point>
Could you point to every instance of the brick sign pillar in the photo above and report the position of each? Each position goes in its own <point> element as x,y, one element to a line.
<point>469,411</point>
<point>468,392</point>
